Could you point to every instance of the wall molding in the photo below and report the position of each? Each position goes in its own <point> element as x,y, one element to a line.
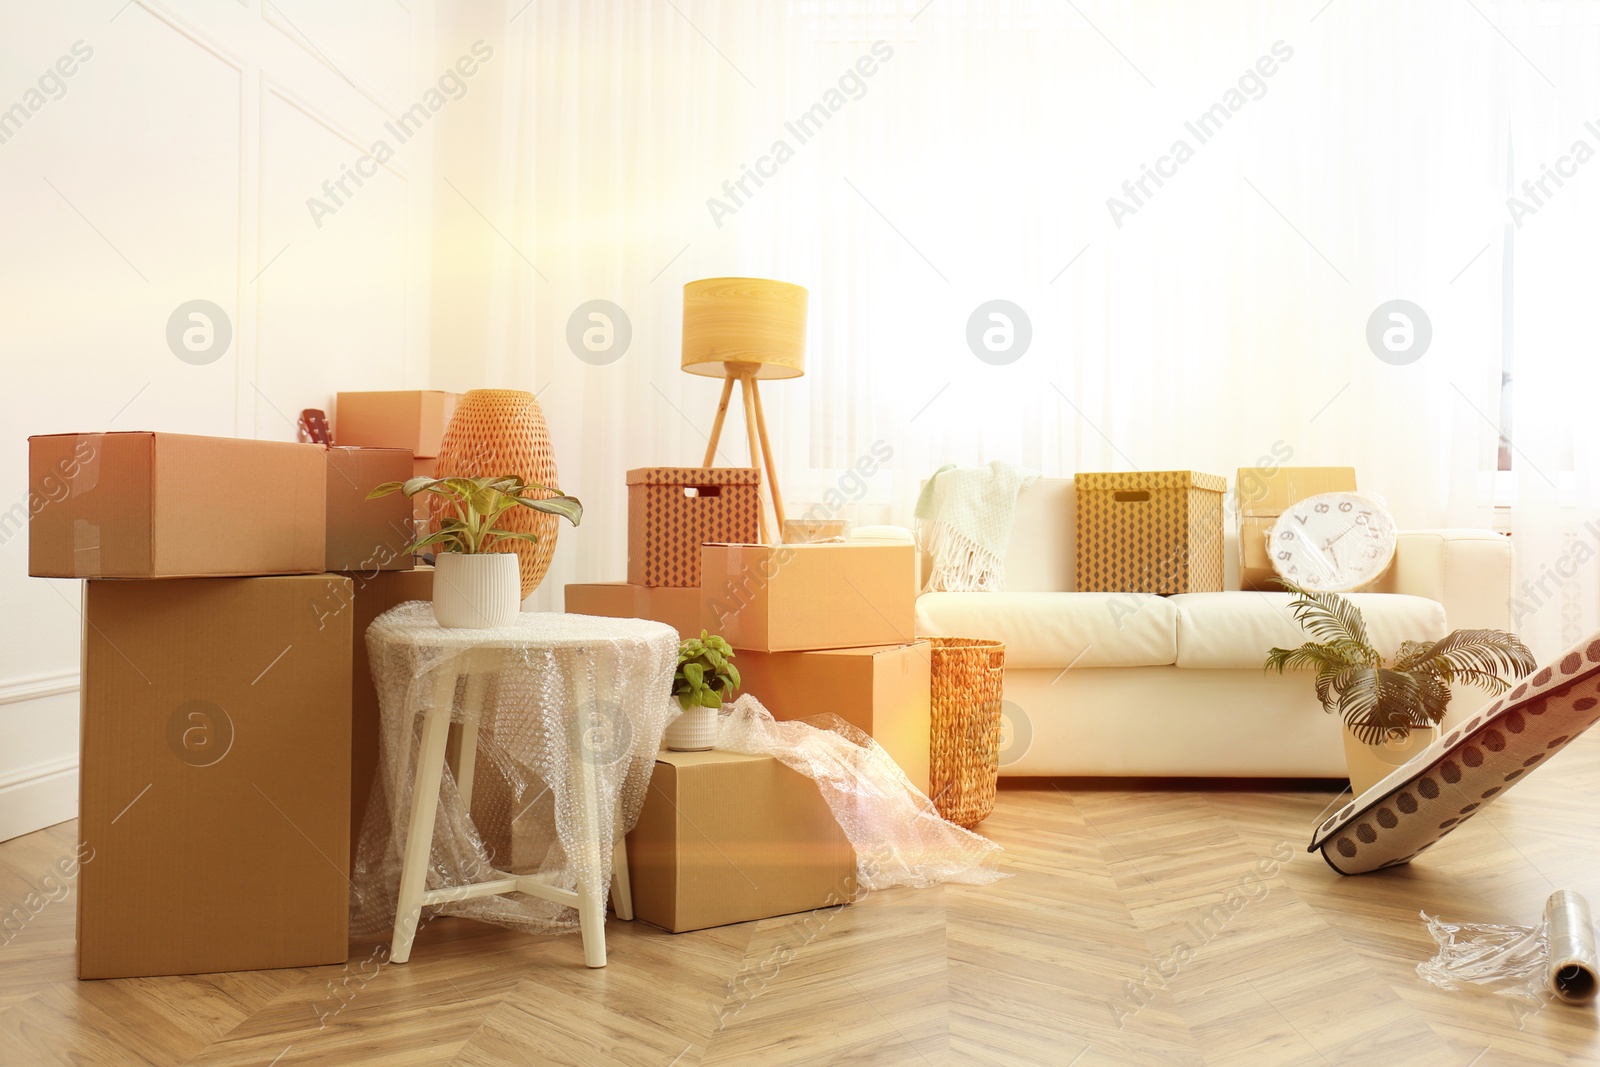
<point>17,690</point>
<point>37,796</point>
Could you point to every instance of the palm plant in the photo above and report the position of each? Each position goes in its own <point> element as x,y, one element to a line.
<point>479,504</point>
<point>1382,701</point>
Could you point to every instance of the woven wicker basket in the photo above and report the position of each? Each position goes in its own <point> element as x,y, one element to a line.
<point>964,748</point>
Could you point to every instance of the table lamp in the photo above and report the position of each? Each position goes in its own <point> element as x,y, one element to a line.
<point>743,330</point>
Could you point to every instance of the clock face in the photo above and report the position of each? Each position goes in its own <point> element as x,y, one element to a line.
<point>1333,542</point>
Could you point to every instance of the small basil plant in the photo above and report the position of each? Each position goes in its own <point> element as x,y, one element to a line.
<point>705,676</point>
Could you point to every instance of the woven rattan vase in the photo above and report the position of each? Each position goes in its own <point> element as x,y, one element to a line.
<point>502,431</point>
<point>964,744</point>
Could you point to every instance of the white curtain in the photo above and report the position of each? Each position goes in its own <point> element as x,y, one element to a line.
<point>1355,154</point>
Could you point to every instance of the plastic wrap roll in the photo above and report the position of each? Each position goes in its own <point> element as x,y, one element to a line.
<point>1572,968</point>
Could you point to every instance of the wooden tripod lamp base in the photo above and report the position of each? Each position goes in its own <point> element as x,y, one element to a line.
<point>755,421</point>
<point>742,330</point>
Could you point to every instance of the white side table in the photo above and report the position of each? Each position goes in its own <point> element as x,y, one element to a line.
<point>550,671</point>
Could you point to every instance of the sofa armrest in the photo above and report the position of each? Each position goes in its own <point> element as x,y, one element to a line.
<point>1468,571</point>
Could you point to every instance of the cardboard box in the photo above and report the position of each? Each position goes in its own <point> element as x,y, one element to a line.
<point>794,598</point>
<point>164,505</point>
<point>678,608</point>
<point>215,775</point>
<point>883,690</point>
<point>672,511</point>
<point>427,467</point>
<point>414,419</point>
<point>725,838</point>
<point>1262,494</point>
<point>1149,532</point>
<point>366,535</point>
<point>373,594</point>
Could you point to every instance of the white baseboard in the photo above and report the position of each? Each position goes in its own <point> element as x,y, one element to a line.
<point>16,690</point>
<point>32,798</point>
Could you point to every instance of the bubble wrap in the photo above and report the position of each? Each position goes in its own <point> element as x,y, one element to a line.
<point>900,840</point>
<point>558,694</point>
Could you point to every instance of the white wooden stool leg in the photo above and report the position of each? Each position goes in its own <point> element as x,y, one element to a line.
<point>419,829</point>
<point>621,887</point>
<point>466,762</point>
<point>591,898</point>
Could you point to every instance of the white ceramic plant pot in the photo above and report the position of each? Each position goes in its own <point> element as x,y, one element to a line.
<point>694,730</point>
<point>1371,764</point>
<point>476,590</point>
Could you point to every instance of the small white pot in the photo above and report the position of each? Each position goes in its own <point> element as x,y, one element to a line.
<point>476,591</point>
<point>694,730</point>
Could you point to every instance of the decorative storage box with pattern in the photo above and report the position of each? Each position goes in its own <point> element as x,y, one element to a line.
<point>1149,532</point>
<point>672,511</point>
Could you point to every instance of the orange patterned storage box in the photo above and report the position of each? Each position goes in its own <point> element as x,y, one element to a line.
<point>1149,532</point>
<point>672,511</point>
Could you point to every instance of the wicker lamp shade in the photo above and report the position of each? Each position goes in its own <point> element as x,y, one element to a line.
<point>744,326</point>
<point>502,431</point>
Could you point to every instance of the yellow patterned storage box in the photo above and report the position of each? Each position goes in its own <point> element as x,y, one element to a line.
<point>1149,532</point>
<point>672,511</point>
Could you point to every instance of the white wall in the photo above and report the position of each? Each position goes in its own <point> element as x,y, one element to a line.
<point>175,163</point>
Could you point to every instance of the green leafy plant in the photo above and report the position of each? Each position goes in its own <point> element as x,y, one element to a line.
<point>705,676</point>
<point>478,505</point>
<point>1380,701</point>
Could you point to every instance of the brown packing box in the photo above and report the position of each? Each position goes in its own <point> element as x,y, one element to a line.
<point>672,511</point>
<point>214,794</point>
<point>883,690</point>
<point>423,468</point>
<point>1149,531</point>
<point>678,608</point>
<point>373,594</point>
<point>726,838</point>
<point>398,418</point>
<point>1262,495</point>
<point>795,598</point>
<point>366,535</point>
<point>164,505</point>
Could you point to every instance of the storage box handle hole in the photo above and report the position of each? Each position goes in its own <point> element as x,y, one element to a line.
<point>692,491</point>
<point>1131,496</point>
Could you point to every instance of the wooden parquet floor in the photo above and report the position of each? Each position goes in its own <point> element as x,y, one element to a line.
<point>1146,923</point>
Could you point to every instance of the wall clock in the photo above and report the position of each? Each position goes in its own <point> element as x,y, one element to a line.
<point>1333,542</point>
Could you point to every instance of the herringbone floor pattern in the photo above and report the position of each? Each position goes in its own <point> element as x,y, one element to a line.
<point>1146,924</point>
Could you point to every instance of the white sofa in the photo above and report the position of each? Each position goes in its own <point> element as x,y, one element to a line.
<point>1102,684</point>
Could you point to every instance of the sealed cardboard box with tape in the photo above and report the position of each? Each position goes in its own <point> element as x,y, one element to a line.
<point>796,598</point>
<point>164,505</point>
<point>727,838</point>
<point>1265,493</point>
<point>215,775</point>
<point>883,690</point>
<point>679,608</point>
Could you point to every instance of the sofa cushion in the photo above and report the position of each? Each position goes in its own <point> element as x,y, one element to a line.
<point>1060,629</point>
<point>1233,631</point>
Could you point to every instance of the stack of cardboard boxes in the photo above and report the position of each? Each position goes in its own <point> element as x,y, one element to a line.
<point>723,837</point>
<point>229,722</point>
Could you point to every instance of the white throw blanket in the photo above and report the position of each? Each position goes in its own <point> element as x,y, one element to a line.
<point>968,514</point>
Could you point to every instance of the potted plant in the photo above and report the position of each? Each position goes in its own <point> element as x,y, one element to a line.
<point>704,679</point>
<point>476,582</point>
<point>1391,711</point>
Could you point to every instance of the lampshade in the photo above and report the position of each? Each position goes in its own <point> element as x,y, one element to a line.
<point>752,322</point>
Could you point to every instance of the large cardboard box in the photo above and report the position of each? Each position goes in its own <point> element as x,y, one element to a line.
<point>678,608</point>
<point>372,595</point>
<point>215,775</point>
<point>882,690</point>
<point>727,838</point>
<point>367,535</point>
<point>1262,494</point>
<point>672,511</point>
<point>793,598</point>
<point>164,505</point>
<point>1149,532</point>
<point>398,418</point>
